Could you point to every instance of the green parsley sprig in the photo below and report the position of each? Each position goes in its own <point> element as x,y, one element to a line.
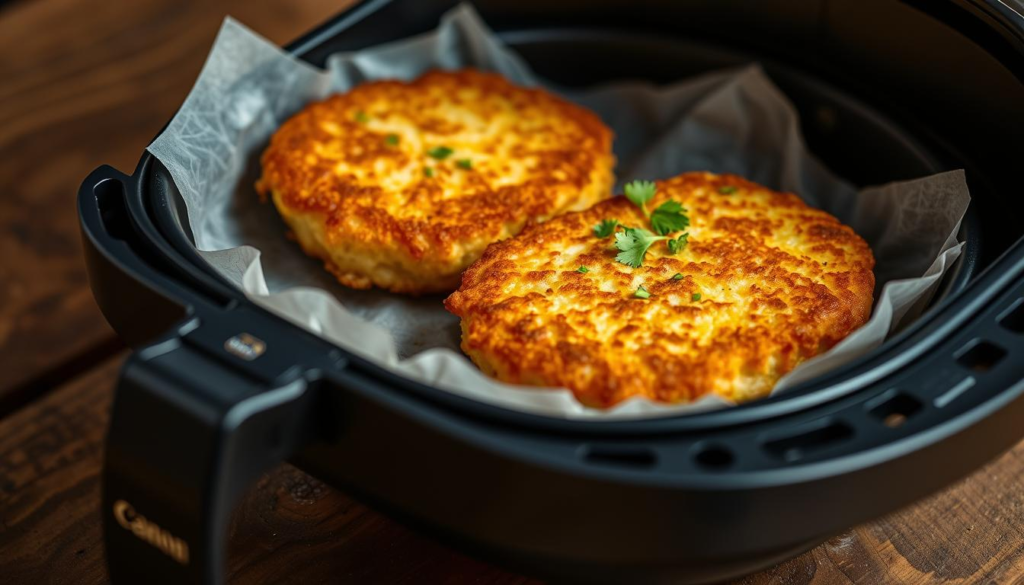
<point>633,244</point>
<point>640,192</point>
<point>669,217</point>
<point>679,244</point>
<point>440,152</point>
<point>605,228</point>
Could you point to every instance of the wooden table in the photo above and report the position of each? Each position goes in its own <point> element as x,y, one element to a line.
<point>85,83</point>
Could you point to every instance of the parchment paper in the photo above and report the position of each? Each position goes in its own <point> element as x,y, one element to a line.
<point>732,121</point>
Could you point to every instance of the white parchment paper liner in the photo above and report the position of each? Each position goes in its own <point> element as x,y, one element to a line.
<point>728,122</point>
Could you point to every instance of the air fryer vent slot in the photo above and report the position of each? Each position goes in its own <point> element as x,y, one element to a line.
<point>616,456</point>
<point>894,408</point>
<point>980,355</point>
<point>714,457</point>
<point>798,446</point>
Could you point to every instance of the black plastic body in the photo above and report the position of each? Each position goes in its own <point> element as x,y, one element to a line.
<point>685,500</point>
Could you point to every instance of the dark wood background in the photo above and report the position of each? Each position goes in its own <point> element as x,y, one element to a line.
<point>84,83</point>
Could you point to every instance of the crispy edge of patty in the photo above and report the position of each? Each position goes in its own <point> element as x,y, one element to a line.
<point>501,337</point>
<point>364,245</point>
<point>362,265</point>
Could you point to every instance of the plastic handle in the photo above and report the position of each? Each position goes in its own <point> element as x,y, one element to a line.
<point>188,433</point>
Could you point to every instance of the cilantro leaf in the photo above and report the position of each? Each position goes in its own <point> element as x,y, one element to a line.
<point>391,139</point>
<point>428,172</point>
<point>727,189</point>
<point>605,228</point>
<point>695,297</point>
<point>669,217</point>
<point>641,293</point>
<point>640,192</point>
<point>440,152</point>
<point>632,244</point>
<point>583,270</point>
<point>678,244</point>
<point>464,163</point>
<point>678,276</point>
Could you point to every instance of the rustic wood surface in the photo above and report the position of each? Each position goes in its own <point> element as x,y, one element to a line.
<point>89,82</point>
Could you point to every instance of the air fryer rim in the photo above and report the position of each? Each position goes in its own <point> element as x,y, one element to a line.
<point>831,385</point>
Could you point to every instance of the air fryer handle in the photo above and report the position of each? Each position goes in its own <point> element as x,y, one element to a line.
<point>188,433</point>
<point>199,412</point>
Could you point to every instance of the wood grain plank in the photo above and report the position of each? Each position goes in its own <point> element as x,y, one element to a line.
<point>87,83</point>
<point>292,528</point>
<point>970,533</point>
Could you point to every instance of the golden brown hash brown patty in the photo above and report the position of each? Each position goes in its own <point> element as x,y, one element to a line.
<point>402,185</point>
<point>778,282</point>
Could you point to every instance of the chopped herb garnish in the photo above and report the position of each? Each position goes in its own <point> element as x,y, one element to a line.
<point>632,244</point>
<point>361,117</point>
<point>678,276</point>
<point>391,139</point>
<point>428,172</point>
<point>641,293</point>
<point>640,192</point>
<point>669,217</point>
<point>727,189</point>
<point>695,297</point>
<point>464,163</point>
<point>440,152</point>
<point>677,245</point>
<point>583,269</point>
<point>605,228</point>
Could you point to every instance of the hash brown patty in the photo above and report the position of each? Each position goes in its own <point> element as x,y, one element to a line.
<point>764,283</point>
<point>403,185</point>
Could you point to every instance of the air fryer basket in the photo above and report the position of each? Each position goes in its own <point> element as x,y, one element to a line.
<point>219,390</point>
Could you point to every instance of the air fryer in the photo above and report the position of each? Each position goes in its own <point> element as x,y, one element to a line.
<point>218,390</point>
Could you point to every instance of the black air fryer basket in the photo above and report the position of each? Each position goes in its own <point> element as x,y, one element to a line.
<point>219,390</point>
